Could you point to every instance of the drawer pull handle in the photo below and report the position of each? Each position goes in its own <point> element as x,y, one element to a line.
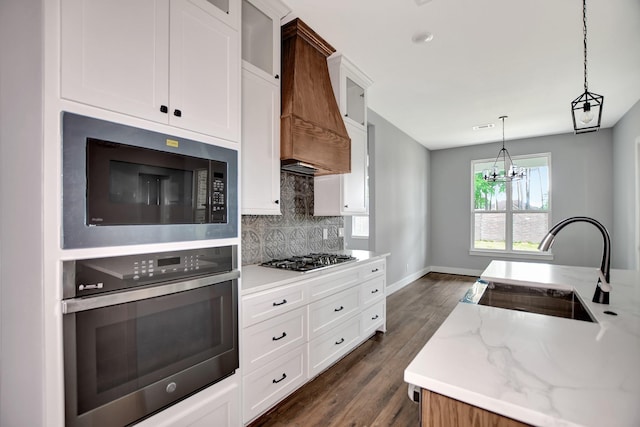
<point>339,308</point>
<point>340,341</point>
<point>284,334</point>
<point>281,379</point>
<point>375,291</point>
<point>375,270</point>
<point>375,317</point>
<point>275,304</point>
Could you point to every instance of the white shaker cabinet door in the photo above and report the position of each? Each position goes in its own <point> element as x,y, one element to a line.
<point>355,183</point>
<point>114,55</point>
<point>260,146</point>
<point>204,71</point>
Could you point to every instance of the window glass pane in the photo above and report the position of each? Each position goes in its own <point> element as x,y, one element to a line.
<point>528,230</point>
<point>488,196</point>
<point>360,226</point>
<point>490,230</point>
<point>532,192</point>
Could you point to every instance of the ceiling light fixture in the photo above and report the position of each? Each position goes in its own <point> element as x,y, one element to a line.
<point>588,106</point>
<point>487,126</point>
<point>509,171</point>
<point>424,37</point>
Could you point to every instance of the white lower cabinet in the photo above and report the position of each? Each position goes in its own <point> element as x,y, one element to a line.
<point>291,333</point>
<point>274,337</point>
<point>272,382</point>
<point>373,318</point>
<point>216,405</point>
<point>331,346</point>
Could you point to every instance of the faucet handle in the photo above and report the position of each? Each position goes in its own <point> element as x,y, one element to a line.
<point>602,282</point>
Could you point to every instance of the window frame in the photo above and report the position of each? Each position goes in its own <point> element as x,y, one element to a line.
<point>354,218</point>
<point>509,212</point>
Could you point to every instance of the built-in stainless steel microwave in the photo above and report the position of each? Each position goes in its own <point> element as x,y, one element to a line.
<point>124,185</point>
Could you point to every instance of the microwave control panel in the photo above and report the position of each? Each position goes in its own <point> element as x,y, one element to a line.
<point>218,201</point>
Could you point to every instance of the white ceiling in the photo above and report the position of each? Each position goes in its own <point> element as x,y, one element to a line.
<point>488,58</point>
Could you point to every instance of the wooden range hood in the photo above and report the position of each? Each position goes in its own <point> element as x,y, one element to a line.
<point>313,137</point>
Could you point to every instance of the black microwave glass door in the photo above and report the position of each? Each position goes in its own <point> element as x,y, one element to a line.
<point>124,348</point>
<point>128,185</point>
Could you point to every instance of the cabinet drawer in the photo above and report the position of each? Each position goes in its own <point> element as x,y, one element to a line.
<point>373,317</point>
<point>372,290</point>
<point>328,312</point>
<point>267,340</point>
<point>373,269</point>
<point>269,384</point>
<point>264,305</point>
<point>328,348</point>
<point>329,284</point>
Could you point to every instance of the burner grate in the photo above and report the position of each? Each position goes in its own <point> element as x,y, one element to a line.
<point>308,262</point>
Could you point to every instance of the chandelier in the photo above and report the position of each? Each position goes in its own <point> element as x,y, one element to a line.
<point>503,168</point>
<point>588,106</point>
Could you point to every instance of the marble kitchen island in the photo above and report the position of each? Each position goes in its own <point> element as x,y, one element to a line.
<point>538,369</point>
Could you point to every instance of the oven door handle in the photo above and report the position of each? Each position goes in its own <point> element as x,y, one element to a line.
<point>75,305</point>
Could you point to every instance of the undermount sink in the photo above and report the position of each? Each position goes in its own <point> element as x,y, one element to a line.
<point>551,302</point>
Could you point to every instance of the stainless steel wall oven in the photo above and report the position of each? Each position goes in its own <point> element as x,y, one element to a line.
<point>142,332</point>
<point>125,185</point>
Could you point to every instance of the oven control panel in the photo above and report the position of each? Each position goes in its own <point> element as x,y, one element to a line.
<point>92,276</point>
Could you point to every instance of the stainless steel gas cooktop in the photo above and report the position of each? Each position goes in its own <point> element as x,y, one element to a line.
<point>308,262</point>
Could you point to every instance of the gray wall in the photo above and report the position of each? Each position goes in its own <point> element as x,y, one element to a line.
<point>400,201</point>
<point>625,190</point>
<point>581,171</point>
<point>21,187</point>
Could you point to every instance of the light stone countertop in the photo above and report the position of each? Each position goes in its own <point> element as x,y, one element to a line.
<point>538,369</point>
<point>255,278</point>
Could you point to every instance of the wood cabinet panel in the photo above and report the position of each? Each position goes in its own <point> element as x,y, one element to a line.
<point>442,411</point>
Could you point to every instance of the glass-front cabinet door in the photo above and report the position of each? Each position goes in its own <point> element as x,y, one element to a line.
<point>261,39</point>
<point>355,102</point>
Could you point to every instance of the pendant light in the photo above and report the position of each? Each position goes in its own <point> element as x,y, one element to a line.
<point>586,110</point>
<point>503,168</point>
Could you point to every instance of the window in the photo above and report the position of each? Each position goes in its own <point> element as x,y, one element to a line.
<point>511,217</point>
<point>360,226</point>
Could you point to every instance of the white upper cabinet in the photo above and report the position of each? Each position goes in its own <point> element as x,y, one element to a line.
<point>174,62</point>
<point>347,194</point>
<point>260,146</point>
<point>261,106</point>
<point>227,11</point>
<point>261,37</point>
<point>350,88</point>
<point>204,71</point>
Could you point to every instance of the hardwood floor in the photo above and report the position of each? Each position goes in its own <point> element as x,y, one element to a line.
<point>367,388</point>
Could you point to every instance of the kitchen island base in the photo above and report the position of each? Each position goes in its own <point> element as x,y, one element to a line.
<point>437,410</point>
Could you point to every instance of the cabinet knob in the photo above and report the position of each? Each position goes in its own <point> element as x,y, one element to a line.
<point>164,109</point>
<point>346,206</point>
<point>277,76</point>
<point>277,202</point>
<point>177,113</point>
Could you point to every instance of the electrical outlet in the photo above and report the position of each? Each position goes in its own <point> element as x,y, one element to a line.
<point>341,232</point>
<point>325,234</point>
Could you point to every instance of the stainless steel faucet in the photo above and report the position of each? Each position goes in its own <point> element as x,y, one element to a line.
<point>603,287</point>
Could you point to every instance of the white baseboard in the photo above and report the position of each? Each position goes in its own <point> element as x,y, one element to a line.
<point>453,270</point>
<point>405,281</point>
<point>437,269</point>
